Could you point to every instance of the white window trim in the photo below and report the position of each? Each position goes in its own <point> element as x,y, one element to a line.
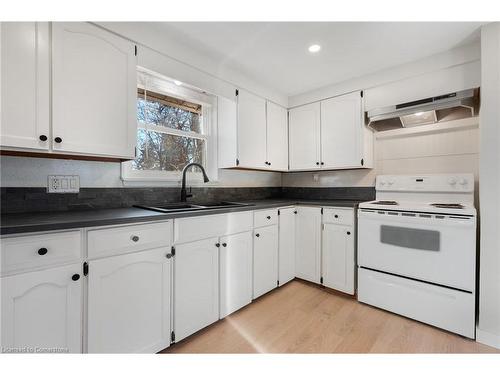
<point>133,177</point>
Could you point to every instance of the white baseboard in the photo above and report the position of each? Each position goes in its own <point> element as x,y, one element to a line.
<point>488,338</point>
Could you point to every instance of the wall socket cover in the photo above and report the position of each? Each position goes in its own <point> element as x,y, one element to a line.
<point>63,184</point>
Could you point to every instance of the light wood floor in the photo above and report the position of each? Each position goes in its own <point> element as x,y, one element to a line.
<point>303,318</point>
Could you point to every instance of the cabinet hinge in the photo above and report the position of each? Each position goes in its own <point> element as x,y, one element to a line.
<point>135,50</point>
<point>361,93</point>
<point>237,92</point>
<point>172,250</point>
<point>362,162</point>
<point>85,269</point>
<point>237,161</point>
<point>321,210</point>
<point>321,280</point>
<point>172,337</point>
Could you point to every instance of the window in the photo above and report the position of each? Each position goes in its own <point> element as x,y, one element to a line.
<point>173,129</point>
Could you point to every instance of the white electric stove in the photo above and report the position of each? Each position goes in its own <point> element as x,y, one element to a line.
<point>417,249</point>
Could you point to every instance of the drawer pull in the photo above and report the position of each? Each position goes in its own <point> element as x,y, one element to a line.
<point>348,233</point>
<point>42,251</point>
<point>336,216</point>
<point>135,238</point>
<point>269,218</point>
<point>217,245</point>
<point>224,244</point>
<point>257,235</point>
<point>75,277</point>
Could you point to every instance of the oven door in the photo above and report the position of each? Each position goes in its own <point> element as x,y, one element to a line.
<point>439,249</point>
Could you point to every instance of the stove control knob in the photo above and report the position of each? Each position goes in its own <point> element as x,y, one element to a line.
<point>452,181</point>
<point>463,181</point>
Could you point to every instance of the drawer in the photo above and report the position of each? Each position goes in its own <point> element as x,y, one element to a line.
<point>40,250</point>
<point>344,216</point>
<point>128,239</point>
<point>265,217</point>
<point>200,227</point>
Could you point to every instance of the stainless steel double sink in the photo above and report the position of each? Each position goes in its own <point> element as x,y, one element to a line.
<point>182,207</point>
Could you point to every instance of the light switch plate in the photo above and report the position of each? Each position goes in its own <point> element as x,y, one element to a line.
<point>63,184</point>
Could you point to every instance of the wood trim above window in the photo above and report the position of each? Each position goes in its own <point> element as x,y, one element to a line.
<point>170,101</point>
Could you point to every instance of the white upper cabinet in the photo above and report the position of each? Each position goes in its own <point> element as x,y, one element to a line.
<point>277,137</point>
<point>43,309</point>
<point>251,131</point>
<point>129,303</point>
<point>24,83</point>
<point>341,131</point>
<point>94,88</point>
<point>304,137</point>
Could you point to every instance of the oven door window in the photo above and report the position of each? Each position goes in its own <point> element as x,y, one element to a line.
<point>420,239</point>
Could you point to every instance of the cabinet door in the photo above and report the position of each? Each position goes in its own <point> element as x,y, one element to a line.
<point>196,286</point>
<point>286,256</point>
<point>129,303</point>
<point>277,137</point>
<point>251,131</point>
<point>43,309</point>
<point>235,272</point>
<point>24,84</point>
<point>304,137</point>
<point>341,131</point>
<point>265,260</point>
<point>227,135</point>
<point>94,89</point>
<point>308,246</point>
<point>338,258</point>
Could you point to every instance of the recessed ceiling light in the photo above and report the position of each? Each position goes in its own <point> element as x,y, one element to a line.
<point>178,83</point>
<point>314,48</point>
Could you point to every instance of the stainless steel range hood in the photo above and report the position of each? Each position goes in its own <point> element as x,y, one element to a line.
<point>431,110</point>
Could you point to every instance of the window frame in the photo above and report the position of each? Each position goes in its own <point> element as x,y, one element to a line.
<point>164,85</point>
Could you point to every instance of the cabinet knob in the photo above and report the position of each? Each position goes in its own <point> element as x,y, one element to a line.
<point>217,245</point>
<point>322,163</point>
<point>269,218</point>
<point>134,238</point>
<point>295,212</point>
<point>336,216</point>
<point>169,255</point>
<point>43,137</point>
<point>58,139</point>
<point>257,235</point>
<point>42,251</point>
<point>224,244</point>
<point>75,277</point>
<point>317,163</point>
<point>348,233</point>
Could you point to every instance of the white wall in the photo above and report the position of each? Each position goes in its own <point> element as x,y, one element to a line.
<point>32,172</point>
<point>488,330</point>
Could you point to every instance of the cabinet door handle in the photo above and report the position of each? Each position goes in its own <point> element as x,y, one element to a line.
<point>322,163</point>
<point>295,212</point>
<point>169,255</point>
<point>75,277</point>
<point>43,137</point>
<point>42,251</point>
<point>348,233</point>
<point>217,245</point>
<point>58,139</point>
<point>134,238</point>
<point>336,216</point>
<point>269,218</point>
<point>257,235</point>
<point>224,244</point>
<point>317,163</point>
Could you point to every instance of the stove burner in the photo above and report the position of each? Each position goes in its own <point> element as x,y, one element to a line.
<point>448,205</point>
<point>386,203</point>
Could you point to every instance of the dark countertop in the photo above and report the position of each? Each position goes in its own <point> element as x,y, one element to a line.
<point>47,221</point>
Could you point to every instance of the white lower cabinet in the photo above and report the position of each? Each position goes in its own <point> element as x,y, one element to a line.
<point>286,254</point>
<point>196,286</point>
<point>129,303</point>
<point>308,244</point>
<point>235,272</point>
<point>338,263</point>
<point>42,310</point>
<point>265,260</point>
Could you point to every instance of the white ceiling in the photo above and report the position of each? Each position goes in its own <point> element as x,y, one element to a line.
<point>275,54</point>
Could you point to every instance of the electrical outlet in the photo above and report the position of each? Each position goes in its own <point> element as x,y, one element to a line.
<point>63,184</point>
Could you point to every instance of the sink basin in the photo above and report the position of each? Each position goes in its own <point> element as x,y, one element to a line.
<point>182,207</point>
